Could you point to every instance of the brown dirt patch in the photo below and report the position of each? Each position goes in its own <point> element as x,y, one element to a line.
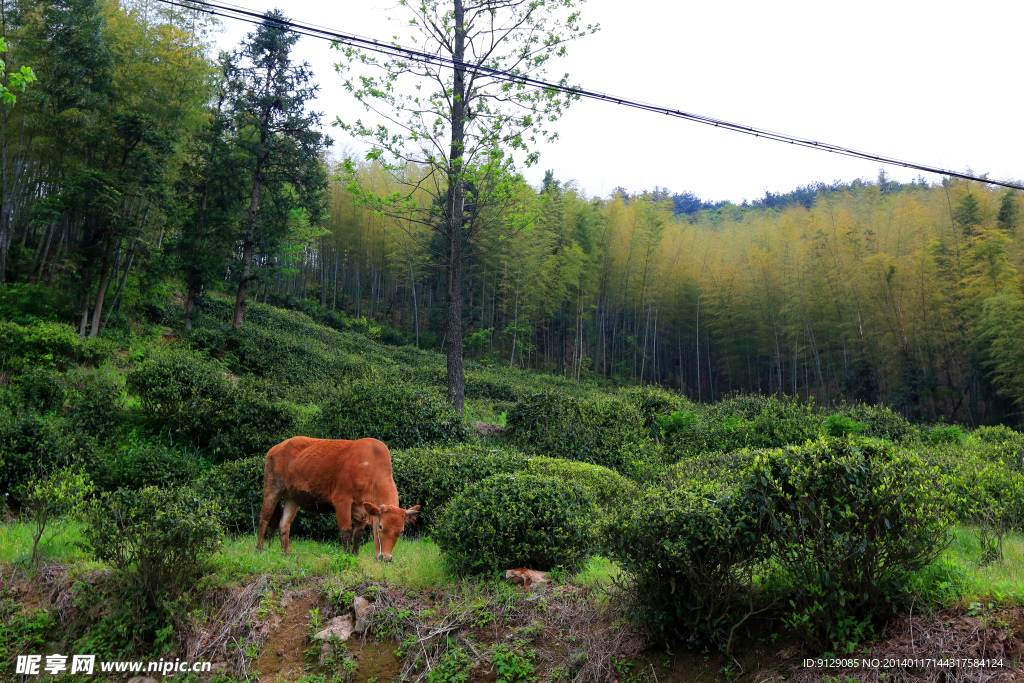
<point>283,654</point>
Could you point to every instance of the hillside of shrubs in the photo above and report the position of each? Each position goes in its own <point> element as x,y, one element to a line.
<point>820,520</point>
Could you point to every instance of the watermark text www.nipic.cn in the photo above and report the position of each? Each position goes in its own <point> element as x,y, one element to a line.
<point>903,663</point>
<point>35,665</point>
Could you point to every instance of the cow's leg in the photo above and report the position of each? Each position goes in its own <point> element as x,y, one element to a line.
<point>290,508</point>
<point>343,511</point>
<point>269,513</point>
<point>357,539</point>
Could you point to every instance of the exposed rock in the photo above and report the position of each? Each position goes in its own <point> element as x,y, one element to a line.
<point>527,577</point>
<point>338,626</point>
<point>363,609</point>
<point>487,429</point>
<point>141,679</point>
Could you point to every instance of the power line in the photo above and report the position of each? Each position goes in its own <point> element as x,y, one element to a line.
<point>314,31</point>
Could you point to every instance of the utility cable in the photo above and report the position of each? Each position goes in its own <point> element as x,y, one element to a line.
<point>392,50</point>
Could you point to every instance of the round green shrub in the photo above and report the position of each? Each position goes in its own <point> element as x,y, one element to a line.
<point>517,520</point>
<point>598,430</point>
<point>652,402</point>
<point>191,396</point>
<point>606,488</point>
<point>37,388</point>
<point>852,521</point>
<point>880,421</point>
<point>739,422</point>
<point>387,409</point>
<point>157,540</point>
<point>686,551</point>
<point>431,476</point>
<point>138,465</point>
<point>942,434</point>
<point>32,445</point>
<point>718,470</point>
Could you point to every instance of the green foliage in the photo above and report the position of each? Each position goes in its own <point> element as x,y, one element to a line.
<point>517,520</point>
<point>512,665</point>
<point>385,408</point>
<point>688,551</point>
<point>945,434</point>
<point>190,396</point>
<point>52,501</point>
<point>38,389</point>
<point>880,421</point>
<point>841,425</point>
<point>454,667</point>
<point>982,490</point>
<point>654,403</point>
<point>23,630</point>
<point>431,476</point>
<point>597,430</point>
<point>157,540</point>
<point>720,470</point>
<point>739,422</point>
<point>32,446</point>
<point>607,488</point>
<point>852,522</point>
<point>28,304</point>
<point>138,465</point>
<point>48,344</point>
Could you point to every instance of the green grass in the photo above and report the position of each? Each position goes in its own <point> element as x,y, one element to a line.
<point>597,573</point>
<point>416,565</point>
<point>1001,579</point>
<point>16,544</point>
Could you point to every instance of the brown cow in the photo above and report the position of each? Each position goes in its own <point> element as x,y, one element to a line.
<point>351,478</point>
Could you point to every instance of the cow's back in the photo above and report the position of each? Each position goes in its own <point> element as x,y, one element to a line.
<point>326,468</point>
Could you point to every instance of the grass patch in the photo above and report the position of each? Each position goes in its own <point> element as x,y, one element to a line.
<point>597,573</point>
<point>1002,580</point>
<point>16,544</point>
<point>416,565</point>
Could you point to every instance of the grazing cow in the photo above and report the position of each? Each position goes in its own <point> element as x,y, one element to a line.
<point>351,478</point>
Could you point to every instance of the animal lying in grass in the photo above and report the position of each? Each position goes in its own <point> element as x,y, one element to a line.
<point>353,479</point>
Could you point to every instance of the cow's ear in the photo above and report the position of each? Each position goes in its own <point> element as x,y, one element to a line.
<point>371,509</point>
<point>413,511</point>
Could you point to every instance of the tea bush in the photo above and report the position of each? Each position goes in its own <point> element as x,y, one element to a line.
<point>431,476</point>
<point>719,470</point>
<point>653,402</point>
<point>880,421</point>
<point>157,540</point>
<point>38,389</point>
<point>32,445</point>
<point>517,520</point>
<point>689,551</point>
<point>189,396</point>
<point>607,488</point>
<point>853,520</point>
<point>48,344</point>
<point>385,408</point>
<point>739,422</point>
<point>139,465</point>
<point>595,430</point>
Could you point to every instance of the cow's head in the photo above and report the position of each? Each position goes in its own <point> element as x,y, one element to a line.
<point>387,522</point>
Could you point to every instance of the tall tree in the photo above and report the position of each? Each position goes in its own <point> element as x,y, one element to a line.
<point>462,123</point>
<point>268,95</point>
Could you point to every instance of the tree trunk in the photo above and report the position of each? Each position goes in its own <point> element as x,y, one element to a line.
<point>456,200</point>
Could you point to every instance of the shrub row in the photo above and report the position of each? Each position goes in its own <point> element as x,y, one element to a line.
<point>602,431</point>
<point>189,396</point>
<point>838,526</point>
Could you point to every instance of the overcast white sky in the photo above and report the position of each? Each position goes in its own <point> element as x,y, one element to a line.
<point>935,83</point>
